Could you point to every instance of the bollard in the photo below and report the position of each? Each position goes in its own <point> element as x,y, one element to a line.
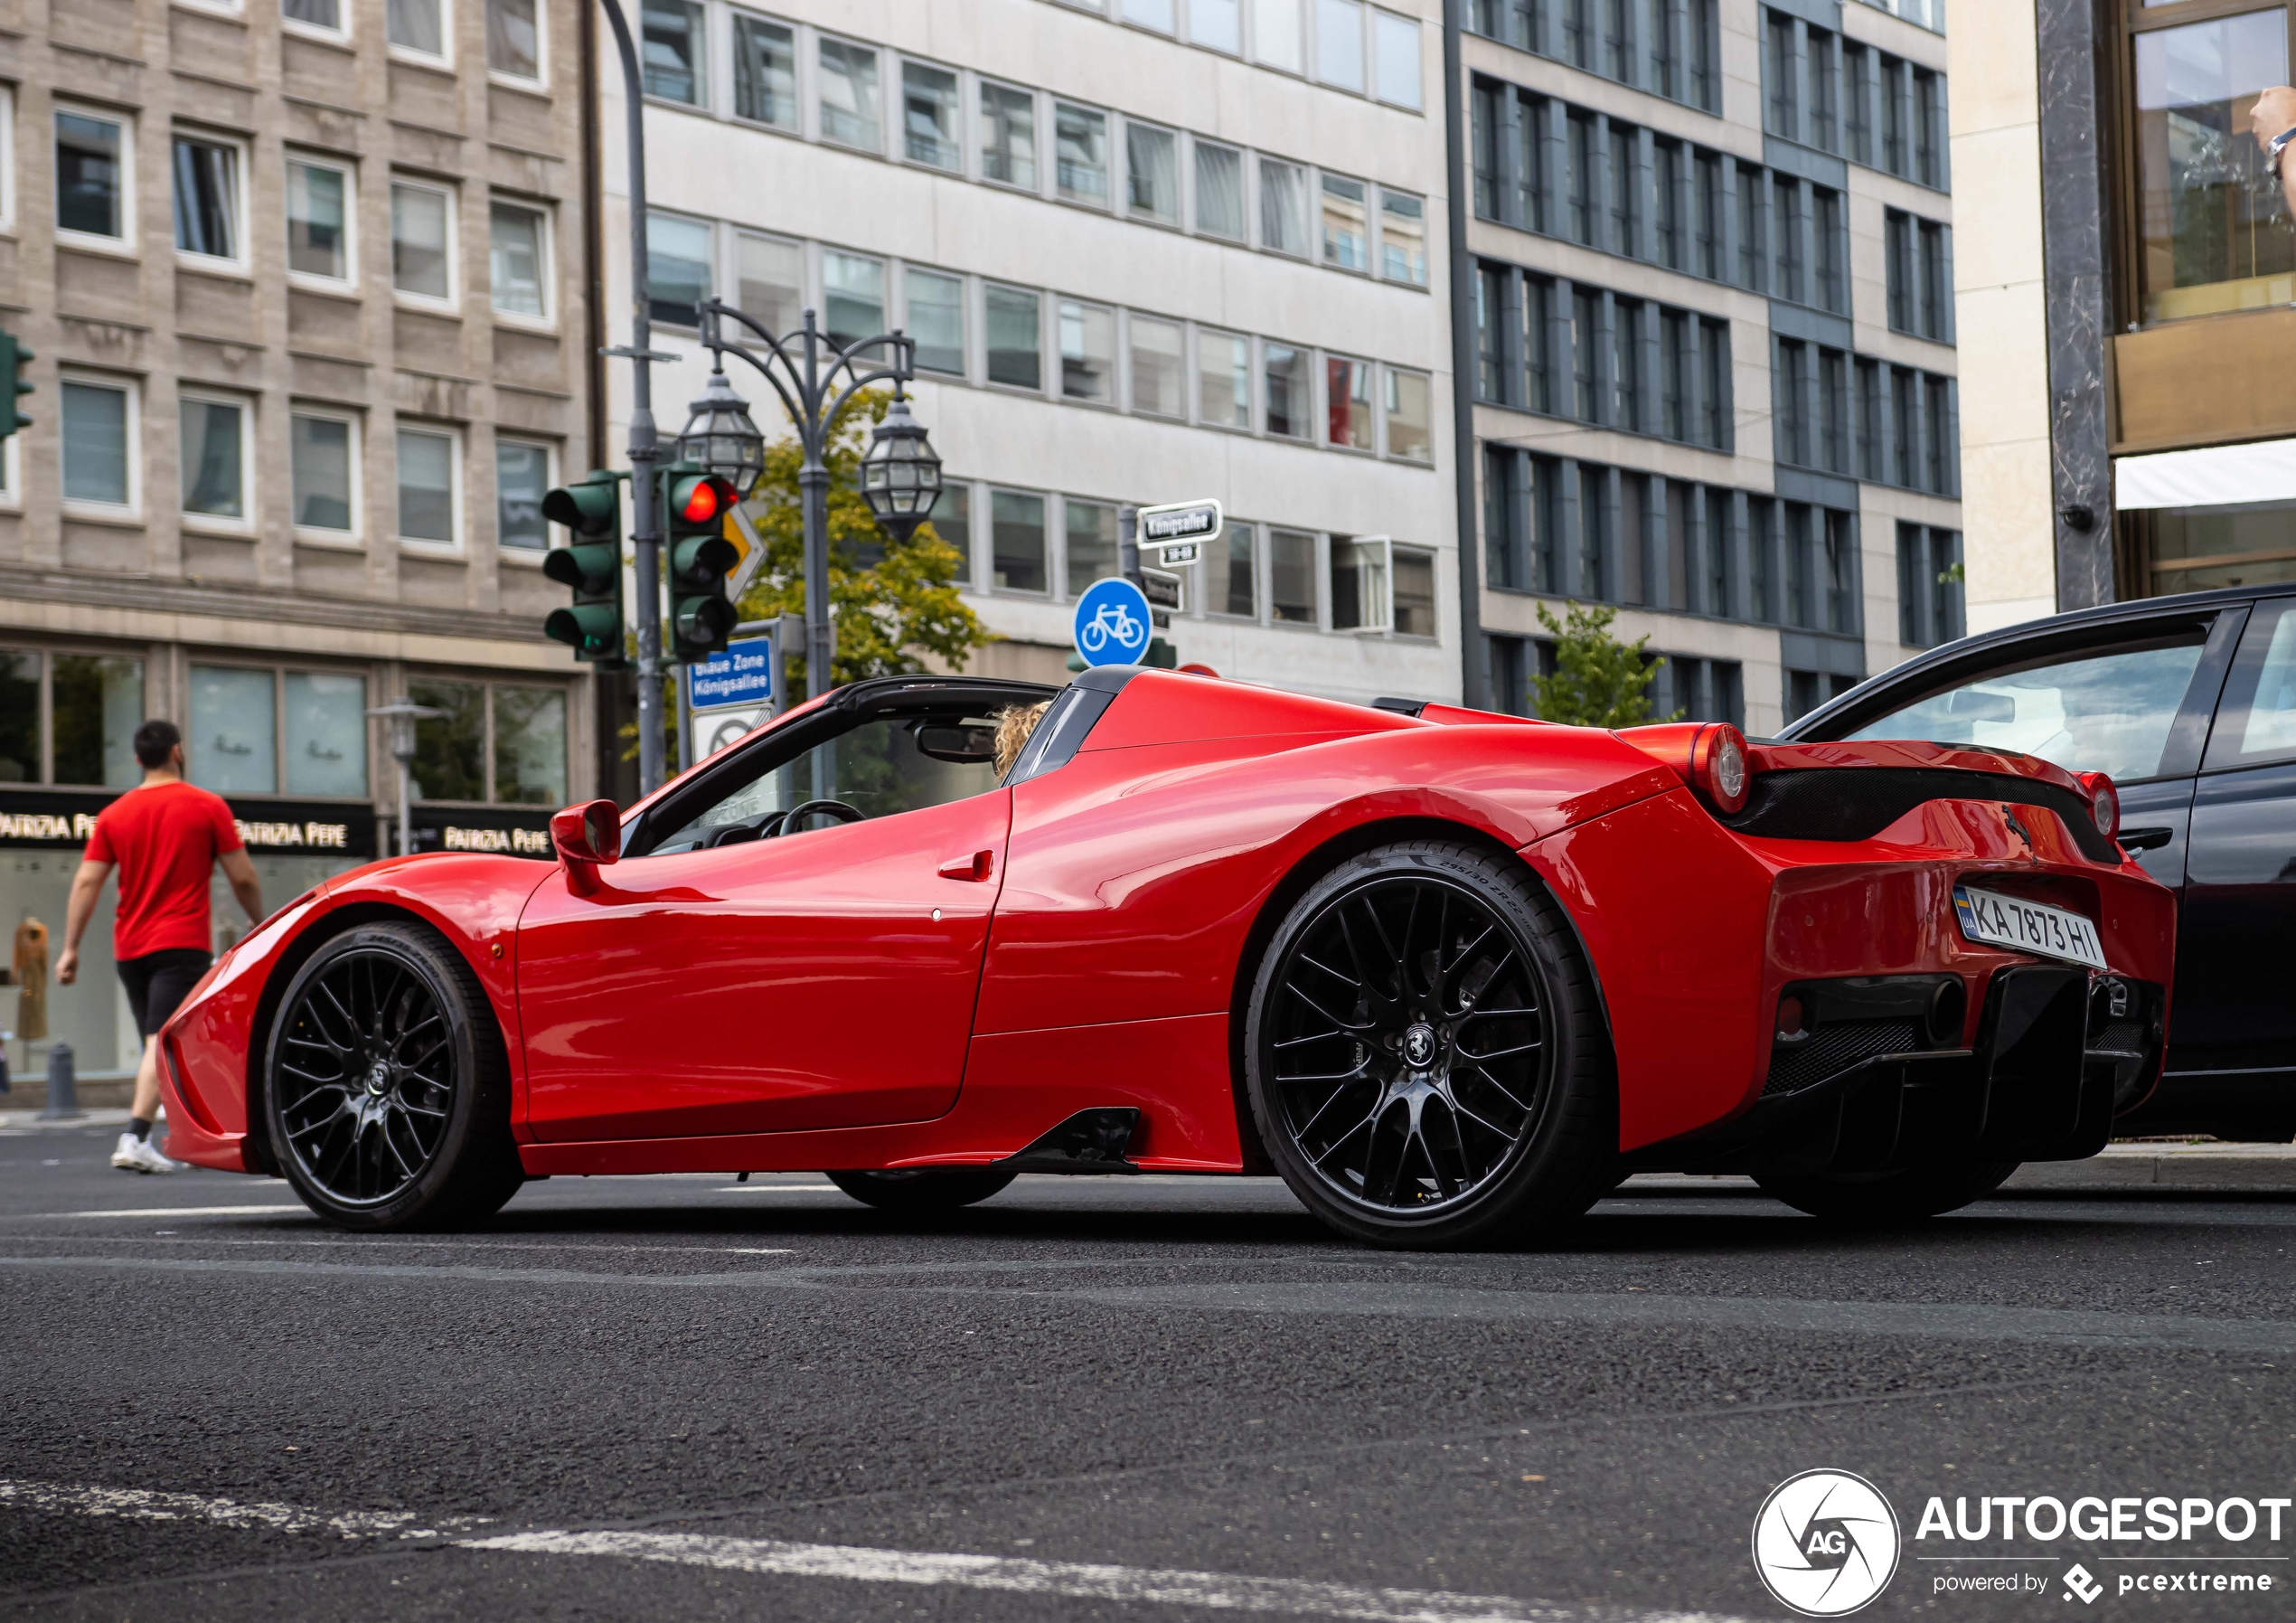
<point>63,1095</point>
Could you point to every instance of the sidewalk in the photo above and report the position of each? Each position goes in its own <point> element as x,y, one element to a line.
<point>2170,1168</point>
<point>13,1122</point>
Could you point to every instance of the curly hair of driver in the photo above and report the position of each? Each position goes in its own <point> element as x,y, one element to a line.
<point>1013,726</point>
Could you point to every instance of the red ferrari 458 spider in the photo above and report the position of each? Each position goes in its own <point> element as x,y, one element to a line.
<point>1451,975</point>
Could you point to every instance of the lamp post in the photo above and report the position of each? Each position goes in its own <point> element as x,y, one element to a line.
<point>402,714</point>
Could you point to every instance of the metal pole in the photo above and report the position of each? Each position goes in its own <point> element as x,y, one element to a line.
<point>1127,543</point>
<point>813,488</point>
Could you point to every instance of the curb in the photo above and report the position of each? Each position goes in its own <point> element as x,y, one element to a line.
<point>2162,1168</point>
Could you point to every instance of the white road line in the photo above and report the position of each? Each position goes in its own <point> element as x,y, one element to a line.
<point>140,1505</point>
<point>177,1212</point>
<point>775,1189</point>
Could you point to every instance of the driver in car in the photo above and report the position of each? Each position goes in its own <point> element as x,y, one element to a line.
<point>1013,726</point>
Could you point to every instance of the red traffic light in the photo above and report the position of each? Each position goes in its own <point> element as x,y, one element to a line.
<point>701,498</point>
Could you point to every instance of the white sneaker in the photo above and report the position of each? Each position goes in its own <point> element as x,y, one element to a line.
<point>138,1154</point>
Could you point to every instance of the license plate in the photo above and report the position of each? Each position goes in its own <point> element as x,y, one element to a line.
<point>2022,925</point>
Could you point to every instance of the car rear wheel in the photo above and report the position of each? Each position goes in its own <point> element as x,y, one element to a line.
<point>1890,1197</point>
<point>1425,1054</point>
<point>386,1087</point>
<point>926,1189</point>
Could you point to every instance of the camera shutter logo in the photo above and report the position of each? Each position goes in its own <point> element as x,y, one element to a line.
<point>1825,1543</point>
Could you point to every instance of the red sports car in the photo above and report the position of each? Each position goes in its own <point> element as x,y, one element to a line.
<point>1451,975</point>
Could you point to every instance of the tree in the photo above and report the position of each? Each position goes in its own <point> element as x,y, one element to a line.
<point>1598,680</point>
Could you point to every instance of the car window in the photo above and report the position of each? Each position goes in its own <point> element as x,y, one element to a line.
<point>2103,712</point>
<point>2257,722</point>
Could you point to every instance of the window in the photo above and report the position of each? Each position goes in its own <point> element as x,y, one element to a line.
<point>1346,230</point>
<point>20,749</point>
<point>96,703</point>
<point>1868,386</point>
<point>1842,571</point>
<point>1285,385</point>
<point>1395,54</point>
<point>1893,115</point>
<point>937,321</point>
<point>429,487</point>
<point>929,116</point>
<point>953,523</point>
<point>1833,412</point>
<point>450,748</point>
<point>1490,361</point>
<point>1936,285</point>
<point>416,26</point>
<point>1088,352</point>
<point>1585,330</point>
<point>519,238</point>
<point>514,38</point>
<point>1091,535</point>
<point>1219,191</point>
<point>1938,429</point>
<point>1223,380</point>
<point>521,479</point>
<point>671,52</point>
<point>1486,124</point>
<point>323,452</point>
<point>1413,591</point>
<point>1707,232</point>
<point>1578,129</point>
<point>1237,585</point>
<point>422,240</point>
<point>1292,574</point>
<point>1786,204</point>
<point>327,734</point>
<point>1219,23</point>
<point>1016,524</point>
<point>1278,40</point>
<point>2256,722</point>
<point>1080,153</point>
<point>1626,194</point>
<point>677,268</point>
<point>1339,43</point>
<point>1825,92</point>
<point>1674,386</point>
<point>765,72</point>
<point>93,155</point>
<point>1283,207</point>
<point>1362,599</point>
<point>1666,181</point>
<point>1929,158</point>
<point>207,198</point>
<point>1784,106</point>
<point>769,284</point>
<point>1538,329</point>
<point>322,14</point>
<point>231,745</point>
<point>1149,13</point>
<point>319,216</point>
<point>99,453</point>
<point>1009,136</point>
<point>1408,410</point>
<point>1900,268</point>
<point>1754,232</point>
<point>1016,340</point>
<point>1857,131</point>
<point>1826,228</point>
<point>854,296</point>
<point>1714,398</point>
<point>1156,367</point>
<point>847,93</point>
<point>216,447</point>
<point>1348,403</point>
<point>1928,598</point>
<point>1626,364</point>
<point>1152,175</point>
<point>530,745</point>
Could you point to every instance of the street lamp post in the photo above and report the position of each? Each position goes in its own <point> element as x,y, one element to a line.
<point>402,714</point>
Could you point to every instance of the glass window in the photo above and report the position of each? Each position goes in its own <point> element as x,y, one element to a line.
<point>1152,171</point>
<point>89,186</point>
<point>1348,403</point>
<point>1016,338</point>
<point>207,197</point>
<point>854,288</point>
<point>1347,241</point>
<point>327,734</point>
<point>318,199</point>
<point>95,444</point>
<point>19,717</point>
<point>318,13</point>
<point>2246,545</point>
<point>1278,40</point>
<point>213,471</point>
<point>1339,43</point>
<point>953,523</point>
<point>769,282</point>
<point>1283,207</point>
<point>1238,583</point>
<point>2103,712</point>
<point>232,746</point>
<point>1223,380</point>
<point>450,748</point>
<point>1088,352</point>
<point>1156,367</point>
<point>1219,23</point>
<point>937,321</point>
<point>1080,153</point>
<point>98,704</point>
<point>419,224</point>
<point>672,49</point>
<point>427,485</point>
<point>1394,50</point>
<point>1219,190</point>
<point>764,70</point>
<point>848,92</point>
<point>513,38</point>
<point>1149,13</point>
<point>521,479</point>
<point>1409,413</point>
<point>1290,411</point>
<point>1403,238</point>
<point>677,268</point>
<point>415,25</point>
<point>530,746</point>
<point>929,116</point>
<point>1361,598</point>
<point>1291,577</point>
<point>520,259</point>
<point>320,451</point>
<point>1092,543</point>
<point>1016,521</point>
<point>1415,596</point>
<point>1009,136</point>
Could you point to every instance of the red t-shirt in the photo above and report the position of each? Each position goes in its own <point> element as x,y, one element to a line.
<point>165,838</point>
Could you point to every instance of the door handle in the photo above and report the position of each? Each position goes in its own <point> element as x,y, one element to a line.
<point>977,866</point>
<point>2145,839</point>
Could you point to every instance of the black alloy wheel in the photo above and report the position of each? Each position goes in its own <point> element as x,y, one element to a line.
<point>1424,1058</point>
<point>387,1092</point>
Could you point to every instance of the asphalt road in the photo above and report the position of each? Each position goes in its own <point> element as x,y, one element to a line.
<point>681,1398</point>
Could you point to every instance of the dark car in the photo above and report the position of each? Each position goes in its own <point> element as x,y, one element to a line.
<point>2190,703</point>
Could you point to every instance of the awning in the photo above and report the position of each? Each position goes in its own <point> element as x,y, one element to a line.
<point>2219,475</point>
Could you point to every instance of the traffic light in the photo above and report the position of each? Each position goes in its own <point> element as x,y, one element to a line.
<point>591,564</point>
<point>701,557</point>
<point>13,383</point>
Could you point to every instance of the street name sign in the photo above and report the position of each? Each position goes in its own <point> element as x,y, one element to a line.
<point>1180,523</point>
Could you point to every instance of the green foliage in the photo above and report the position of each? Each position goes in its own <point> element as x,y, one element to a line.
<point>1953,574</point>
<point>1598,680</point>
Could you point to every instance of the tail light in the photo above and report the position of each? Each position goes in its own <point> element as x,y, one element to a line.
<point>1711,757</point>
<point>2105,802</point>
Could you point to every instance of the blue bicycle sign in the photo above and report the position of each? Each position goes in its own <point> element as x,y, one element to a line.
<point>1112,623</point>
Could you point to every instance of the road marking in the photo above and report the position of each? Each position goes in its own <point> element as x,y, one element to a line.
<point>775,1189</point>
<point>141,1505</point>
<point>177,1212</point>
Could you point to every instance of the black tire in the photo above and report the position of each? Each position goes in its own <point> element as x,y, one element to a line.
<point>926,1189</point>
<point>1415,1099</point>
<point>1876,1200</point>
<point>386,1087</point>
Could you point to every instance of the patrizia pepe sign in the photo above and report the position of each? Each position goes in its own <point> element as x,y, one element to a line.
<point>61,819</point>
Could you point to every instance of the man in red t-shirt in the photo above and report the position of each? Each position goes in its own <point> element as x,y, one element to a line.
<point>165,836</point>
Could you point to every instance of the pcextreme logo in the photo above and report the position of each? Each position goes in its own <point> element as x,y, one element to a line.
<point>1825,1543</point>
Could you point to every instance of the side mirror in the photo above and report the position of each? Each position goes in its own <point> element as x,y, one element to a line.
<point>584,837</point>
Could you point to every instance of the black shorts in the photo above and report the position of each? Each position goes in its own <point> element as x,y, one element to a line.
<point>158,982</point>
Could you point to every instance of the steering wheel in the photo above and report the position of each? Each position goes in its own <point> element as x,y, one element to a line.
<point>798,814</point>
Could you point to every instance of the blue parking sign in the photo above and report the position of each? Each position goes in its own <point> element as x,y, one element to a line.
<point>1112,625</point>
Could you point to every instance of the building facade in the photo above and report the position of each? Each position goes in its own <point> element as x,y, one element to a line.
<point>1707,339</point>
<point>1150,251</point>
<point>306,280</point>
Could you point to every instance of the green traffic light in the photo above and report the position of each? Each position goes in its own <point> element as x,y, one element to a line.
<point>12,355</point>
